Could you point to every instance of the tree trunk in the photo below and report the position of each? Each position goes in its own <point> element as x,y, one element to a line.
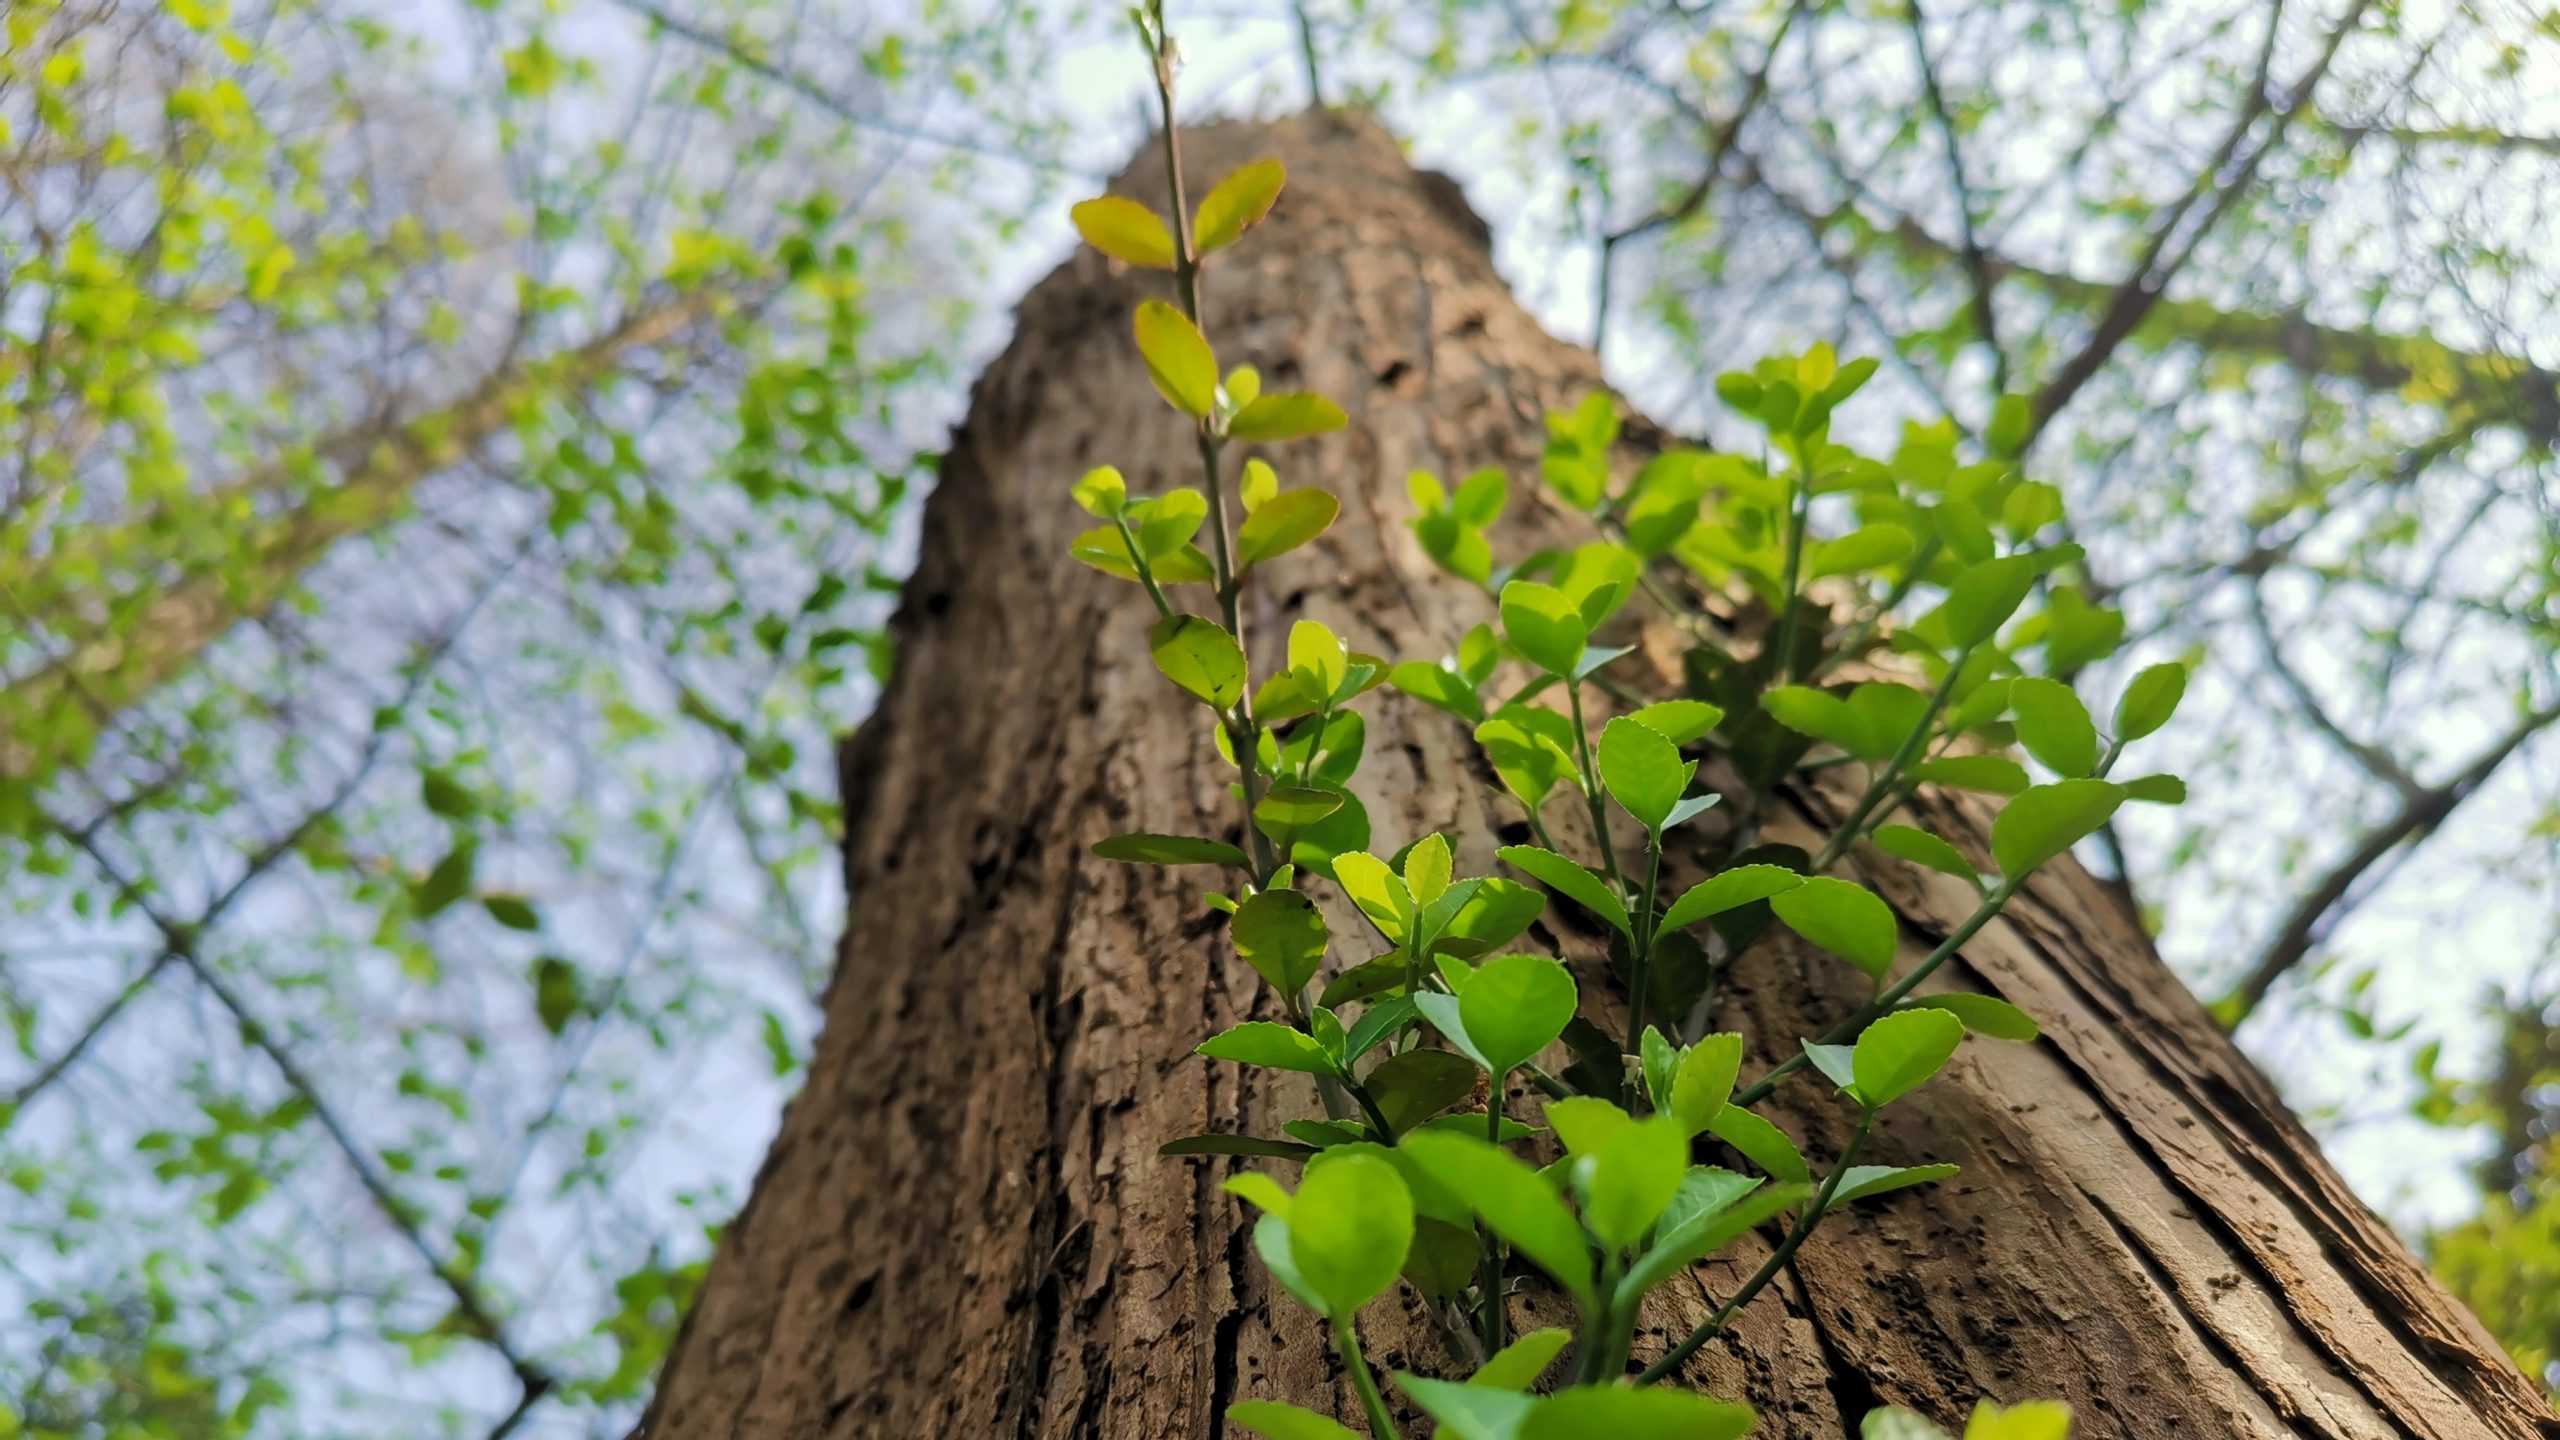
<point>964,1228</point>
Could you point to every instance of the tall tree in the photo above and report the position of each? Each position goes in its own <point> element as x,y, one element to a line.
<point>964,1226</point>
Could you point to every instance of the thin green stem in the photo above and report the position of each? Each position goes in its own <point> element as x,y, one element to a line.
<point>1714,1325</point>
<point>1885,779</point>
<point>1488,1245</point>
<point>1640,960</point>
<point>1346,1340</point>
<point>1799,519</point>
<point>1591,788</point>
<point>1146,572</point>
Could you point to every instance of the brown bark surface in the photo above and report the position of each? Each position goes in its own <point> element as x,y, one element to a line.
<point>963,1228</point>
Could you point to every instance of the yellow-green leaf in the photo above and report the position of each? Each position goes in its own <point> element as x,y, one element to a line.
<point>1286,417</point>
<point>1125,230</point>
<point>1236,204</point>
<point>1178,359</point>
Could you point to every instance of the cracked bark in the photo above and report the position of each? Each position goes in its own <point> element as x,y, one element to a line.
<point>963,1228</point>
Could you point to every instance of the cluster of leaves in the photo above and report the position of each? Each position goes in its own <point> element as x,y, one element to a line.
<point>1408,1176</point>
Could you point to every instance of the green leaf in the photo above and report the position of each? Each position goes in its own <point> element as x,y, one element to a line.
<point>1545,625</point>
<point>1275,1047</point>
<point>1418,1084</point>
<point>1825,716</point>
<point>1983,1015</point>
<point>2046,820</point>
<point>1531,748</point>
<point>1287,809</point>
<point>2012,425</point>
<point>2156,789</point>
<point>1282,524</point>
<point>1513,1199</point>
<point>1516,1006</point>
<point>1146,849</point>
<point>1870,547</point>
<point>448,881</point>
<point>1922,848</point>
<point>1897,1424</point>
<point>2054,725</point>
<point>1848,920</point>
<point>1862,1181</point>
<point>511,911</point>
<point>2149,701</point>
<point>1642,771</point>
<point>1236,1145</point>
<point>1571,881</point>
<point>1179,361</point>
<point>1838,1063</point>
<point>1899,1051</point>
<point>1759,1142</point>
<point>1350,1224</point>
<point>1982,599</point>
<point>1990,774</point>
<point>1656,1412</point>
<point>2032,1420</point>
<point>1169,521</point>
<point>1102,491</point>
<point>1730,890</point>
<point>1426,869</point>
<point>1125,230</point>
<point>1704,1081</point>
<point>1715,1208</point>
<point>1438,687</point>
<point>1378,891</point>
<point>1236,204</point>
<point>555,992</point>
<point>1276,1421</point>
<point>1282,936</point>
<point>1467,1412</point>
<point>1200,656</point>
<point>1680,721</point>
<point>1632,1176</point>
<point>1494,915</point>
<point>1517,1365</point>
<point>1291,416</point>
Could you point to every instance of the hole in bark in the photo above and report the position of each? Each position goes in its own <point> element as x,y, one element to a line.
<point>1394,372</point>
<point>937,603</point>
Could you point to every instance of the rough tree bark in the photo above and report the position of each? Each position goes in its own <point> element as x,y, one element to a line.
<point>963,1228</point>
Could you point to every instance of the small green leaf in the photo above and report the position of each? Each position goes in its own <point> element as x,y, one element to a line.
<point>1350,1224</point>
<point>1759,1142</point>
<point>1922,848</point>
<point>1680,721</point>
<point>1516,1006</point>
<point>511,911</point>
<point>1276,1421</point>
<point>2156,789</point>
<point>1236,204</point>
<point>1494,915</point>
<point>1730,890</point>
<point>1704,1081</point>
<point>555,992</point>
<point>1862,1181</point>
<point>448,881</point>
<point>2032,1420</point>
<point>2149,701</point>
<point>1983,1015</point>
<point>1275,1047</point>
<point>1983,598</point>
<point>1438,687</point>
<point>1571,881</point>
<point>2012,425</point>
<point>1282,524</point>
<point>1282,936</point>
<point>2046,820</point>
<point>1990,774</point>
<point>2054,725</point>
<point>1291,416</point>
<point>1837,1063</point>
<point>1899,1051</point>
<point>1642,771</point>
<point>1179,361</point>
<point>1848,920</point>
<point>1467,1412</point>
<point>1823,716</point>
<point>1426,869</point>
<point>1897,1424</point>
<point>1657,1412</point>
<point>1418,1084</point>
<point>1632,1176</point>
<point>1287,809</point>
<point>1517,1365</point>
<point>1714,1208</point>
<point>1545,624</point>
<point>1199,656</point>
<point>1125,230</point>
<point>1236,1145</point>
<point>1512,1199</point>
<point>1145,849</point>
<point>1378,891</point>
<point>1102,491</point>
